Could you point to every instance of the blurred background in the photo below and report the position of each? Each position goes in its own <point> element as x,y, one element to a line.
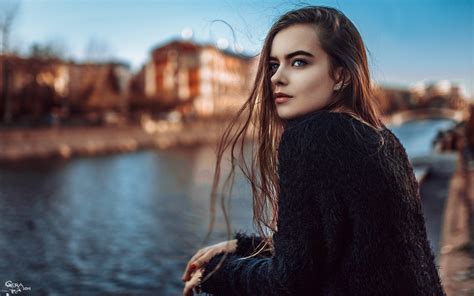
<point>110,112</point>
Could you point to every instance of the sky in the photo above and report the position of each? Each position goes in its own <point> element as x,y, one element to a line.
<point>409,41</point>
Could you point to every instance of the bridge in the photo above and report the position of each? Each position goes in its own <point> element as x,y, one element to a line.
<point>401,117</point>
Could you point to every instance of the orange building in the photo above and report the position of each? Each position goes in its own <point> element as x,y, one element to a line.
<point>197,79</point>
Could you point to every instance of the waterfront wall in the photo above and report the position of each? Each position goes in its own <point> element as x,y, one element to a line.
<point>65,142</point>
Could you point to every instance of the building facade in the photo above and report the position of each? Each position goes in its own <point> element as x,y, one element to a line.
<point>37,89</point>
<point>197,79</point>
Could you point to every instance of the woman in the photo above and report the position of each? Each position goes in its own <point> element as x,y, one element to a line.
<point>346,214</point>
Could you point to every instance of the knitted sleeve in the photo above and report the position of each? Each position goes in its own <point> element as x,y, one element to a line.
<point>247,244</point>
<point>303,244</point>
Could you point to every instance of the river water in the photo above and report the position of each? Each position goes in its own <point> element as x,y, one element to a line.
<point>122,224</point>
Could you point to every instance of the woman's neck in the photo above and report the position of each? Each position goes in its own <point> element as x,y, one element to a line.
<point>343,109</point>
<point>302,117</point>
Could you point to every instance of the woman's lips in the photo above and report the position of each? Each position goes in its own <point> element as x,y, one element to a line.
<point>281,97</point>
<point>281,100</point>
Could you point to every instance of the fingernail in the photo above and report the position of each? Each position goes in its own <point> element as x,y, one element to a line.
<point>192,266</point>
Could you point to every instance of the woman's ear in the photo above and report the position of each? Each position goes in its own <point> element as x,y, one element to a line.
<point>340,78</point>
<point>338,85</point>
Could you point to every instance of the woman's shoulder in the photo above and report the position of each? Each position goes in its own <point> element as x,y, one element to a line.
<point>332,128</point>
<point>321,117</point>
<point>322,120</point>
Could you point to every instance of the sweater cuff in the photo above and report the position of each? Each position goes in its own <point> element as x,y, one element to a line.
<point>216,284</point>
<point>246,244</point>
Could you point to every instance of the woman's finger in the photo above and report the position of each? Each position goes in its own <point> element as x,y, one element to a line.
<point>189,268</point>
<point>198,254</point>
<point>187,273</point>
<point>188,289</point>
<point>189,285</point>
<point>190,262</point>
<point>192,266</point>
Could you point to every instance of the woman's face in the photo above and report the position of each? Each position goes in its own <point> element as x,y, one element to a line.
<point>300,69</point>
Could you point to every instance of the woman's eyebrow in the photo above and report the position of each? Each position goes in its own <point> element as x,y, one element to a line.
<point>295,53</point>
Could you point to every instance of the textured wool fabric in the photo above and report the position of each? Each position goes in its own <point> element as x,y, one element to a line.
<point>247,244</point>
<point>349,219</point>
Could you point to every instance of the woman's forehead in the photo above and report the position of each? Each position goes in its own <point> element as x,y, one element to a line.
<point>297,37</point>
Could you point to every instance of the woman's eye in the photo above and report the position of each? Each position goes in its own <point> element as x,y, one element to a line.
<point>273,67</point>
<point>299,63</point>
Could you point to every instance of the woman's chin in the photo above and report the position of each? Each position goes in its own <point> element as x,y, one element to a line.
<point>286,113</point>
<point>283,116</point>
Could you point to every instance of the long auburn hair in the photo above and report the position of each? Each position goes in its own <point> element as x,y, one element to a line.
<point>258,118</point>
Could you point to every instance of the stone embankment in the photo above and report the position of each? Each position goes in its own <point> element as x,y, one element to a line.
<point>18,144</point>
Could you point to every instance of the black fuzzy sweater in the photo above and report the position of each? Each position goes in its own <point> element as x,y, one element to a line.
<point>349,220</point>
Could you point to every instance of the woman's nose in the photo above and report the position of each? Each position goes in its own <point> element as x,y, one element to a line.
<point>279,77</point>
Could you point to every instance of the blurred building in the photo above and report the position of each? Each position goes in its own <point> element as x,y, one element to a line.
<point>40,90</point>
<point>30,88</point>
<point>392,99</point>
<point>193,79</point>
<point>440,94</point>
<point>98,88</point>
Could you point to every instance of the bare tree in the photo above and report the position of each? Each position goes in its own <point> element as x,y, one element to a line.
<point>8,12</point>
<point>52,49</point>
<point>98,50</point>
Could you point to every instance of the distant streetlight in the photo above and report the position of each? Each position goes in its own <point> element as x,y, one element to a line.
<point>222,43</point>
<point>187,33</point>
<point>239,48</point>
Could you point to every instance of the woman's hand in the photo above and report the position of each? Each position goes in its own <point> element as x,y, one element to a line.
<point>205,254</point>
<point>193,282</point>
